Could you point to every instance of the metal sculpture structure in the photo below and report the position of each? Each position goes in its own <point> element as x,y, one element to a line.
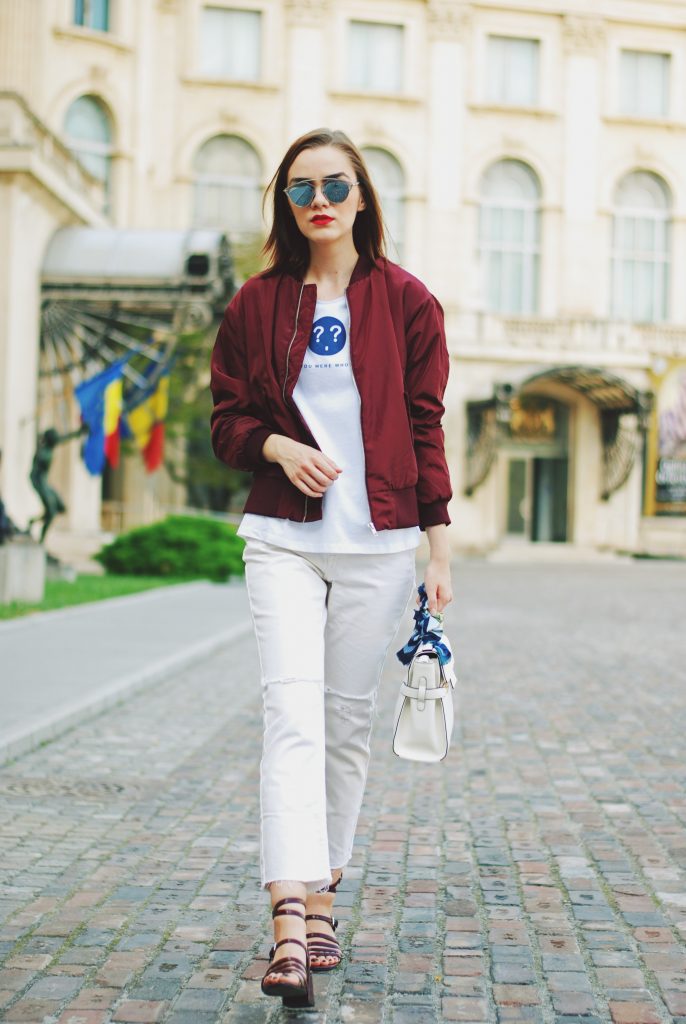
<point>40,469</point>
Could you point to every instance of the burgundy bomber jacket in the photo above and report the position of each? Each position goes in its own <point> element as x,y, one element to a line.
<point>400,364</point>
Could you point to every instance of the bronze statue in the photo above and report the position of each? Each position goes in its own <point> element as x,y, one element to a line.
<point>40,468</point>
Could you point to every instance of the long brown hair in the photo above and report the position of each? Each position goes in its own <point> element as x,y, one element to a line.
<point>286,248</point>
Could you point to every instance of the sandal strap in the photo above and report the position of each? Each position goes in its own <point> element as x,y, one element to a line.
<point>281,942</point>
<point>317,949</point>
<point>276,908</point>
<point>321,935</point>
<point>321,917</point>
<point>288,965</point>
<point>334,885</point>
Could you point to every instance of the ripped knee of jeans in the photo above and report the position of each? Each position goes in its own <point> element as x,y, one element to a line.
<point>347,706</point>
<point>275,680</point>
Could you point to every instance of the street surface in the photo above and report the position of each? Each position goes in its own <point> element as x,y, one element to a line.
<point>538,874</point>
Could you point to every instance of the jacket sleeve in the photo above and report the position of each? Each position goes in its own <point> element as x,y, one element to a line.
<point>426,377</point>
<point>238,432</point>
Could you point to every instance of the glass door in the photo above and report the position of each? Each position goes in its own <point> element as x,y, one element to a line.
<point>518,497</point>
<point>549,519</point>
<point>537,498</point>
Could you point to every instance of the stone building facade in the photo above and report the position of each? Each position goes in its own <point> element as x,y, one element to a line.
<point>530,160</point>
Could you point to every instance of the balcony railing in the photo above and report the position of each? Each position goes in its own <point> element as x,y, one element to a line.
<point>23,135</point>
<point>487,332</point>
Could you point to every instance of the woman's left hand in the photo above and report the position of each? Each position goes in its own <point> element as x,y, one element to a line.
<point>438,585</point>
<point>437,582</point>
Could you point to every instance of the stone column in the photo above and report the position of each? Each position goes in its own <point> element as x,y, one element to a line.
<point>25,226</point>
<point>584,250</point>
<point>306,63</point>
<point>444,219</point>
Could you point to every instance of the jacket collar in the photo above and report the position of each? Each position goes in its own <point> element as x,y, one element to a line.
<point>362,268</point>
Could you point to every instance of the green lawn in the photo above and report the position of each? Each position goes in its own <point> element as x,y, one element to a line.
<point>61,594</point>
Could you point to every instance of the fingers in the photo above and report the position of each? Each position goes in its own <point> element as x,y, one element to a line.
<point>315,473</point>
<point>438,597</point>
<point>432,601</point>
<point>322,476</point>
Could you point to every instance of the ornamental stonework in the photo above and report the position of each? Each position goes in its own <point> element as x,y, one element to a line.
<point>448,19</point>
<point>307,12</point>
<point>585,35</point>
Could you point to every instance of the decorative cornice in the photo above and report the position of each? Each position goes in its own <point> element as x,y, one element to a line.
<point>306,12</point>
<point>583,34</point>
<point>447,19</point>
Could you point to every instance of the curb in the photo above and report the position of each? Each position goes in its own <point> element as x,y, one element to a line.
<point>26,621</point>
<point>51,726</point>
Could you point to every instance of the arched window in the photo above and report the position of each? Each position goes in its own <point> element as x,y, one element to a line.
<point>389,181</point>
<point>510,237</point>
<point>88,133</point>
<point>640,248</point>
<point>228,186</point>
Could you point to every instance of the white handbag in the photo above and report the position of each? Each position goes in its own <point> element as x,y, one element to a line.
<point>424,709</point>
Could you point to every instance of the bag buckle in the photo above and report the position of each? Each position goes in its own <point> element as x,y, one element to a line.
<point>421,693</point>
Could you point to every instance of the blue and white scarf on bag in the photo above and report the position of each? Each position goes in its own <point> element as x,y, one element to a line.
<point>428,635</point>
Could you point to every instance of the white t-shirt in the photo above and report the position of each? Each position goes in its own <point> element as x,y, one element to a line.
<point>326,394</point>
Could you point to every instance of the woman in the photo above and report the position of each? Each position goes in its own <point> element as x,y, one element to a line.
<point>328,375</point>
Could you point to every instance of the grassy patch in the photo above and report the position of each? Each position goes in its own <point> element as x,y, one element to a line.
<point>61,594</point>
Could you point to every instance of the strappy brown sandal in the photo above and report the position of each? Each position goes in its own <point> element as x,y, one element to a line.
<point>324,945</point>
<point>292,994</point>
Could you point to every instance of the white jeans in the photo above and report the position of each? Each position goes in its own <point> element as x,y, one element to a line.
<point>323,624</point>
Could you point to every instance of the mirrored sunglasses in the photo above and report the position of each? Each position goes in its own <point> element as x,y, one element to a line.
<point>335,191</point>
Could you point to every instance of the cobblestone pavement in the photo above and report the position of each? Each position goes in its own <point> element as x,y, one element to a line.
<point>537,875</point>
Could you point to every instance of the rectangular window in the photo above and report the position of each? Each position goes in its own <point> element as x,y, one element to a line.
<point>512,71</point>
<point>375,57</point>
<point>92,14</point>
<point>644,83</point>
<point>230,43</point>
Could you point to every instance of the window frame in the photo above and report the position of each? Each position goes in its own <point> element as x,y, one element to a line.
<point>623,109</point>
<point>397,194</point>
<point>621,259</point>
<point>228,75</point>
<point>530,250</point>
<point>82,15</point>
<point>202,179</point>
<point>501,100</point>
<point>97,148</point>
<point>354,87</point>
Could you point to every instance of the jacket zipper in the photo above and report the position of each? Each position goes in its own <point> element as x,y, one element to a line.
<point>352,366</point>
<point>290,343</point>
<point>285,379</point>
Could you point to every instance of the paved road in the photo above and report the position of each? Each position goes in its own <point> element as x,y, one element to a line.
<point>538,875</point>
<point>58,666</point>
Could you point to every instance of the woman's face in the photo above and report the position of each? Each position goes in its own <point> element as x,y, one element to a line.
<point>322,221</point>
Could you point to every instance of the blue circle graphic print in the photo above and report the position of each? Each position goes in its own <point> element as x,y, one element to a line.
<point>328,336</point>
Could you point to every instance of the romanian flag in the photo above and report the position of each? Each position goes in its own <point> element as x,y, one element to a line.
<point>145,422</point>
<point>101,401</point>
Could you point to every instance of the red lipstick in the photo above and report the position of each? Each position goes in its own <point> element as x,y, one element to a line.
<point>322,219</point>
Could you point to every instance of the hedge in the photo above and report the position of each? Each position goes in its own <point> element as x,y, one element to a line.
<point>185,546</point>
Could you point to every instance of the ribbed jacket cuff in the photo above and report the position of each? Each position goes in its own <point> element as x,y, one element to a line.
<point>433,513</point>
<point>252,449</point>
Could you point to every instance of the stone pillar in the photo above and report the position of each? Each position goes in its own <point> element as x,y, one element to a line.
<point>22,29</point>
<point>22,571</point>
<point>444,220</point>
<point>306,57</point>
<point>583,285</point>
<point>25,226</point>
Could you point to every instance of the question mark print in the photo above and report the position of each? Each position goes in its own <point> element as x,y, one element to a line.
<point>328,336</point>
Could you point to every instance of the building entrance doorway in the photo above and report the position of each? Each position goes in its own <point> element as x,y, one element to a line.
<point>537,498</point>
<point>537,470</point>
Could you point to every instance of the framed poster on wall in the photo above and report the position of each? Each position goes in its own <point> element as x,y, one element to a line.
<point>665,480</point>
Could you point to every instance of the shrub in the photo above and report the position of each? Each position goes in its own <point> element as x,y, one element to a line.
<point>186,546</point>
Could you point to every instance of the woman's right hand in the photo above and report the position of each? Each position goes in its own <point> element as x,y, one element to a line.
<point>310,470</point>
